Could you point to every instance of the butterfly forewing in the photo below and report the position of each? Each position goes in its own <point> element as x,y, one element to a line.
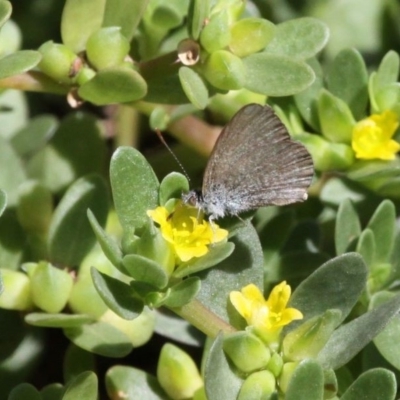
<point>255,163</point>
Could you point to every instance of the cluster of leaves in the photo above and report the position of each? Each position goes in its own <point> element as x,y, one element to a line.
<point>70,261</point>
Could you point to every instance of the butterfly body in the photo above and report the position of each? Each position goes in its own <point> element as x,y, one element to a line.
<point>254,163</point>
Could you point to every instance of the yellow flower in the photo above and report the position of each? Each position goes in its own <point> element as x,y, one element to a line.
<point>187,232</point>
<point>372,137</point>
<point>265,316</point>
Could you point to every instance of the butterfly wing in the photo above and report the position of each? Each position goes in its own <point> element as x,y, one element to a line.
<point>255,163</point>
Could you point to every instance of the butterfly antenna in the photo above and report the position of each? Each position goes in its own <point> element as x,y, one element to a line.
<point>160,136</point>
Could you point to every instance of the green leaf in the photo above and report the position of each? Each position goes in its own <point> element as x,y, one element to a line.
<point>194,87</point>
<point>348,227</point>
<point>172,186</point>
<point>306,101</point>
<point>199,11</point>
<point>215,35</point>
<point>347,78</point>
<point>224,70</point>
<point>79,20</point>
<point>242,267</point>
<point>70,234</point>
<point>100,338</point>
<point>183,292</point>
<point>219,380</point>
<point>336,119</point>
<point>14,101</point>
<point>57,320</point>
<point>349,339</point>
<point>134,186</point>
<point>114,85</point>
<point>5,12</point>
<point>386,341</point>
<point>83,386</point>
<point>377,383</point>
<point>77,361</point>
<point>388,71</point>
<point>299,39</point>
<point>145,270</point>
<point>117,295</point>
<point>364,171</point>
<point>19,62</point>
<point>33,136</point>
<point>53,391</point>
<point>337,284</point>
<point>217,253</point>
<point>307,382</point>
<point>383,225</point>
<point>134,383</point>
<point>12,240</point>
<point>276,75</point>
<point>250,35</point>
<point>13,173</point>
<point>124,13</point>
<point>65,158</point>
<point>3,201</point>
<point>107,243</point>
<point>366,246</point>
<point>24,391</point>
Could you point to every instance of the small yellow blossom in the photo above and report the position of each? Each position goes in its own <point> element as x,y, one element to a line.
<point>187,232</point>
<point>372,137</point>
<point>265,316</point>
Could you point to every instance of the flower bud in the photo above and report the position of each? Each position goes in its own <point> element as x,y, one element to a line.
<point>246,351</point>
<point>51,287</point>
<point>177,373</point>
<point>57,61</point>
<point>259,385</point>
<point>17,290</point>
<point>107,47</point>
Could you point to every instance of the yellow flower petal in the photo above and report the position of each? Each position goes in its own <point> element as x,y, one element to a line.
<point>188,233</point>
<point>372,137</point>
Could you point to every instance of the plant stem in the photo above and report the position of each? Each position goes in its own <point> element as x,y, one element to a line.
<point>203,319</point>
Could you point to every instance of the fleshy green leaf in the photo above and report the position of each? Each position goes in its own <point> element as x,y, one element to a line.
<point>145,270</point>
<point>366,246</point>
<point>79,20</point>
<point>19,62</point>
<point>215,34</point>
<point>336,284</point>
<point>194,87</point>
<point>114,85</point>
<point>348,227</point>
<point>388,71</point>
<point>108,244</point>
<point>24,391</point>
<point>117,295</point>
<point>307,382</point>
<point>276,75</point>
<point>3,201</point>
<point>306,101</point>
<point>134,383</point>
<point>382,224</point>
<point>377,383</point>
<point>100,338</point>
<point>220,381</point>
<point>5,12</point>
<point>300,38</point>
<point>70,234</point>
<point>199,11</point>
<point>134,186</point>
<point>83,386</point>
<point>54,391</point>
<point>349,339</point>
<point>13,173</point>
<point>242,267</point>
<point>347,79</point>
<point>172,186</point>
<point>183,292</point>
<point>57,320</point>
<point>124,13</point>
<point>336,119</point>
<point>33,136</point>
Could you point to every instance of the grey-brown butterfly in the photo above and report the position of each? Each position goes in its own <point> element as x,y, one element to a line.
<point>254,163</point>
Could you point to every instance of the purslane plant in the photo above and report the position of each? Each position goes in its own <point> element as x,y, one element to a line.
<point>105,275</point>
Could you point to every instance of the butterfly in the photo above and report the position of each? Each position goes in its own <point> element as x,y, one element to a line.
<point>254,163</point>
